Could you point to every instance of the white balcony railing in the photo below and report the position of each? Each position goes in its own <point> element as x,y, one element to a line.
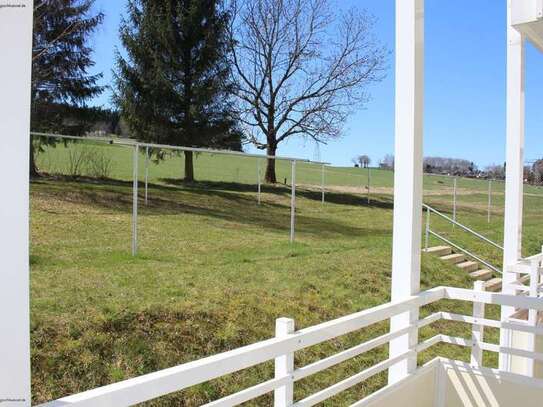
<point>288,341</point>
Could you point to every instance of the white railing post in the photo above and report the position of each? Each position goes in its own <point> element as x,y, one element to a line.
<point>532,314</point>
<point>293,202</point>
<point>407,238</point>
<point>284,365</point>
<point>135,159</point>
<point>15,74</point>
<point>146,173</point>
<point>477,331</point>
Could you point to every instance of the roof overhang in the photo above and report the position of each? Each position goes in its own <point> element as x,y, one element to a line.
<point>527,17</point>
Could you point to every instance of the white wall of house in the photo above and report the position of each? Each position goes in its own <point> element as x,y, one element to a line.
<point>15,70</point>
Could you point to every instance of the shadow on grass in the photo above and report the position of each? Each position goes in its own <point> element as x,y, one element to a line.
<point>337,198</point>
<point>223,201</point>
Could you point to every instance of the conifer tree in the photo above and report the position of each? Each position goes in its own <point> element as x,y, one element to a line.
<point>173,84</point>
<point>61,61</point>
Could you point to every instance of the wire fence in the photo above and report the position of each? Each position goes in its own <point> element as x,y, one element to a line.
<point>240,181</point>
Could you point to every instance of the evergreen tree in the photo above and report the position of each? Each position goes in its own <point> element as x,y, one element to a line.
<point>61,59</point>
<point>173,84</point>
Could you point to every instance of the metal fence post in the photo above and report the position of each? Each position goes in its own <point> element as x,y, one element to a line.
<point>369,184</point>
<point>322,184</point>
<point>454,201</point>
<point>489,199</point>
<point>258,179</point>
<point>477,330</point>
<point>293,202</point>
<point>146,173</point>
<point>135,201</point>
<point>284,365</point>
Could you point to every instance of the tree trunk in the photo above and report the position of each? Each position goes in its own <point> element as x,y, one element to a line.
<point>33,169</point>
<point>189,166</point>
<point>271,177</point>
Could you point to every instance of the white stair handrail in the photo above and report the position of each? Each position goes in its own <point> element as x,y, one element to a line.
<point>464,227</point>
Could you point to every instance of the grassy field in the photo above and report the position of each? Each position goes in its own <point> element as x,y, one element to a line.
<point>215,270</point>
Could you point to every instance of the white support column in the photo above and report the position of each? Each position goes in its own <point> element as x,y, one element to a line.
<point>293,203</point>
<point>514,170</point>
<point>284,365</point>
<point>15,71</point>
<point>407,175</point>
<point>135,159</point>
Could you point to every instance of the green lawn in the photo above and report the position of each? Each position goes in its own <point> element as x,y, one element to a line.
<point>214,272</point>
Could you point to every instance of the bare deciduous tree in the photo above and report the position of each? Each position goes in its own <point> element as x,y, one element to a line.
<point>300,69</point>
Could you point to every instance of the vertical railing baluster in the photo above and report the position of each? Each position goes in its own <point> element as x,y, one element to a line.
<point>532,314</point>
<point>477,331</point>
<point>284,365</point>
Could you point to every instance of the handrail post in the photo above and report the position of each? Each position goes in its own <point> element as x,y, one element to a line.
<point>284,365</point>
<point>477,331</point>
<point>427,230</point>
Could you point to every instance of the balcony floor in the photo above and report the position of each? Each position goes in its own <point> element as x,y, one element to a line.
<point>449,383</point>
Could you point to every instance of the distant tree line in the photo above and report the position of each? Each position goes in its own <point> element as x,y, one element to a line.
<point>460,167</point>
<point>449,166</point>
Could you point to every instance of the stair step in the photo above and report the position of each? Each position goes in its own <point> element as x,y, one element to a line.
<point>468,266</point>
<point>438,250</point>
<point>482,275</point>
<point>494,284</point>
<point>454,258</point>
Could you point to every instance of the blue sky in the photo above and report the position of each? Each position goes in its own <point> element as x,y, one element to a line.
<point>464,94</point>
